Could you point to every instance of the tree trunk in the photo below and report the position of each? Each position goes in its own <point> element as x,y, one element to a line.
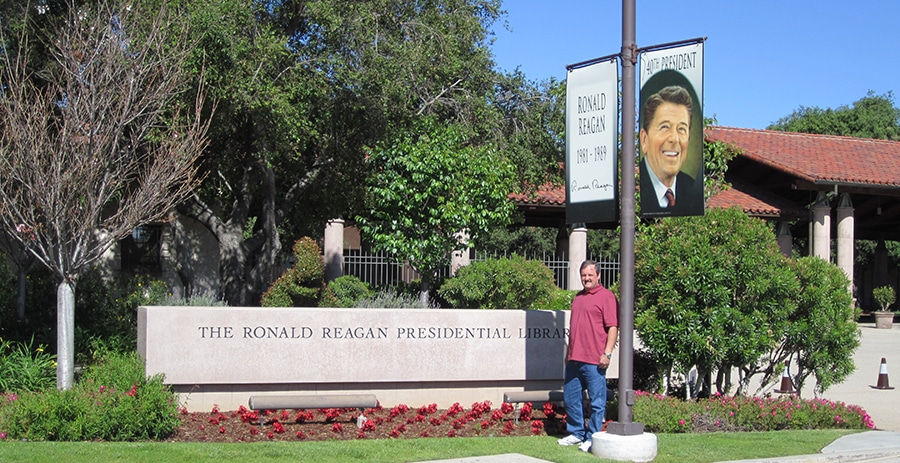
<point>184,265</point>
<point>424,293</point>
<point>20,307</point>
<point>65,334</point>
<point>233,267</point>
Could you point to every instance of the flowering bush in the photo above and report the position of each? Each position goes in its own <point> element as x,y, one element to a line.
<point>113,401</point>
<point>667,414</point>
<point>401,421</point>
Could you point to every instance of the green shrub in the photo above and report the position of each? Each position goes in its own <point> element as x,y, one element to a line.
<point>666,414</point>
<point>725,303</point>
<point>113,401</point>
<point>513,283</point>
<point>303,284</point>
<point>390,299</point>
<point>884,296</point>
<point>560,299</point>
<point>24,367</point>
<point>349,289</point>
<point>821,335</point>
<point>106,311</point>
<point>196,300</point>
<point>309,267</point>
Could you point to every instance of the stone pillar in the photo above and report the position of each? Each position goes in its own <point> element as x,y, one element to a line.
<point>845,238</point>
<point>821,230</point>
<point>784,239</point>
<point>460,259</point>
<point>577,254</point>
<point>334,249</point>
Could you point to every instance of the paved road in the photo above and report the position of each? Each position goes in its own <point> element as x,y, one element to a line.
<point>882,405</point>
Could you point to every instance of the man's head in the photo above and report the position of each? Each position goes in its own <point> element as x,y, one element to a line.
<point>665,131</point>
<point>590,276</point>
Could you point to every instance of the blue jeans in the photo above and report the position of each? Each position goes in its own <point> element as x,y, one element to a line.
<point>581,376</point>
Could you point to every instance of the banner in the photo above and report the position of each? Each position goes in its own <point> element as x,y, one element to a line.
<point>592,143</point>
<point>671,131</point>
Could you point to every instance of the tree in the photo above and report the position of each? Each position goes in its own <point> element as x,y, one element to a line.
<point>431,187</point>
<point>305,87</point>
<point>711,291</point>
<point>873,116</point>
<point>94,144</point>
<point>532,128</point>
<point>821,334</point>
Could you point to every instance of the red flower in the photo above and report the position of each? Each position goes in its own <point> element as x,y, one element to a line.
<point>301,435</point>
<point>337,428</point>
<point>253,430</point>
<point>548,409</point>
<point>331,414</point>
<point>428,409</point>
<point>278,427</point>
<point>221,429</point>
<point>369,425</point>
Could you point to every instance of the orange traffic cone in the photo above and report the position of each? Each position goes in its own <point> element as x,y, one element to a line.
<point>787,386</point>
<point>883,376</point>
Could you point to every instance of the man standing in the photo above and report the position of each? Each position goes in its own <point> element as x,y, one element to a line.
<point>593,331</point>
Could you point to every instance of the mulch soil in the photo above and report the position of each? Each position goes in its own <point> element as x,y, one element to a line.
<point>399,422</point>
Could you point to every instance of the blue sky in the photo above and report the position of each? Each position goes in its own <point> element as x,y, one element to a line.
<point>764,58</point>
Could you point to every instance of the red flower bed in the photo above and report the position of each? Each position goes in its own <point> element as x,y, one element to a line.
<point>398,422</point>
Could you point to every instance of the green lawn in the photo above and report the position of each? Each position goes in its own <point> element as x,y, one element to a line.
<point>672,448</point>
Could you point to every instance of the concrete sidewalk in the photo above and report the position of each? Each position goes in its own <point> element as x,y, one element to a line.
<point>883,405</point>
<point>870,446</point>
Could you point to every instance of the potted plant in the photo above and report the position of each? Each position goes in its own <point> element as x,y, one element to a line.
<point>884,296</point>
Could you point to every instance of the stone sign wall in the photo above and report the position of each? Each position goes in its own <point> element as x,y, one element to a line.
<point>224,354</point>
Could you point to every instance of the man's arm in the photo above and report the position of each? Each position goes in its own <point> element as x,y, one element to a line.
<point>612,336</point>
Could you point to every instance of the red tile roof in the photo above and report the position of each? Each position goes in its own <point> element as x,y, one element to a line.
<point>820,159</point>
<point>755,202</point>
<point>547,194</point>
<point>823,159</point>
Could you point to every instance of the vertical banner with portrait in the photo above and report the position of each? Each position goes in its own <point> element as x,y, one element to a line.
<point>592,133</point>
<point>671,131</point>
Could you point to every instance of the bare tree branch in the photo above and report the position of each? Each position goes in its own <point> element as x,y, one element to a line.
<point>96,143</point>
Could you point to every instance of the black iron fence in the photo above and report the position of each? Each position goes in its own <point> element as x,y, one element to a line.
<point>381,269</point>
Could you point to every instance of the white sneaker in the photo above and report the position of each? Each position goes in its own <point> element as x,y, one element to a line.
<point>585,446</point>
<point>569,440</point>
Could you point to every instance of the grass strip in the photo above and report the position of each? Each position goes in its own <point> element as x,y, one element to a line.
<point>700,448</point>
